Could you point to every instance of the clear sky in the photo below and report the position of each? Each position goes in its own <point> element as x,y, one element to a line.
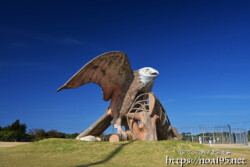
<point>201,49</point>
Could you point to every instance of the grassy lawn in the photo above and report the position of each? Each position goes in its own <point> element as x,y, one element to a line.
<point>69,152</point>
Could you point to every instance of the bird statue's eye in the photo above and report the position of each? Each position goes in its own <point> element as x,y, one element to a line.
<point>147,70</point>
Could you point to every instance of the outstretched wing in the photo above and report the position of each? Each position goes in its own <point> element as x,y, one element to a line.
<point>109,70</point>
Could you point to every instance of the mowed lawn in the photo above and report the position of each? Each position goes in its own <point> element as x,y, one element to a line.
<point>70,152</point>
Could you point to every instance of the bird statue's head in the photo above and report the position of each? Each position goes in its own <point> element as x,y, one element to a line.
<point>147,75</point>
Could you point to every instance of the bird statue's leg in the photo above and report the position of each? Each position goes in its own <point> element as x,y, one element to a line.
<point>114,112</point>
<point>117,120</point>
<point>113,121</point>
<point>120,132</point>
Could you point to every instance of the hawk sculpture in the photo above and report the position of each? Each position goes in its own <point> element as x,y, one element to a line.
<point>112,71</point>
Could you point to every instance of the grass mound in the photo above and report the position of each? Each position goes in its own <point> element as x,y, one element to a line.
<point>70,152</point>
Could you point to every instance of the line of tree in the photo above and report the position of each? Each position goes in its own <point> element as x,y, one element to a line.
<point>14,132</point>
<point>17,132</point>
<point>39,134</point>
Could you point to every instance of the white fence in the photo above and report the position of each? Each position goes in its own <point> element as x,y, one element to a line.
<point>218,135</point>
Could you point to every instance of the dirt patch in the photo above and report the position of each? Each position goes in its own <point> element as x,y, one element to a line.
<point>11,144</point>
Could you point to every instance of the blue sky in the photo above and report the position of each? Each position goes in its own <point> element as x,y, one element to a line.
<point>200,48</point>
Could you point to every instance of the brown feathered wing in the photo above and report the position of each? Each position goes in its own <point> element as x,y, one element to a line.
<point>109,70</point>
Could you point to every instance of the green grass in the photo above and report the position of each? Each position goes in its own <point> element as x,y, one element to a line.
<point>69,152</point>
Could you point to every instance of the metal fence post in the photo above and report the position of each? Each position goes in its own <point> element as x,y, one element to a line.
<point>222,136</point>
<point>203,134</point>
<point>192,134</point>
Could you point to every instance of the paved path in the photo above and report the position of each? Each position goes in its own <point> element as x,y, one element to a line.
<point>11,144</point>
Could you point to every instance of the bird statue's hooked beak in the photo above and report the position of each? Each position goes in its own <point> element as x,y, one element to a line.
<point>154,72</point>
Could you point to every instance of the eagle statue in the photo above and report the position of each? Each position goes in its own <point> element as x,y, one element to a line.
<point>112,71</point>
